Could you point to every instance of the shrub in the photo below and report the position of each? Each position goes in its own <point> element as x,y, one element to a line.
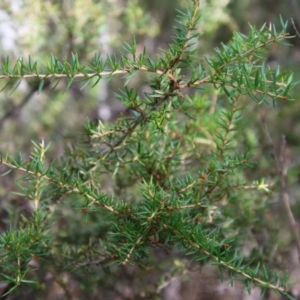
<point>170,174</point>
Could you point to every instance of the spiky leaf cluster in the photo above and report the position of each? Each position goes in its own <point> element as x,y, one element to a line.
<point>173,164</point>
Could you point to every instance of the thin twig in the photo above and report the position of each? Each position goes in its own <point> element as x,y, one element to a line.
<point>281,161</point>
<point>229,265</point>
<point>293,23</point>
<point>70,189</point>
<point>16,109</point>
<point>296,11</point>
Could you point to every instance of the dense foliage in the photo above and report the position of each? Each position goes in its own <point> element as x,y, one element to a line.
<point>171,173</point>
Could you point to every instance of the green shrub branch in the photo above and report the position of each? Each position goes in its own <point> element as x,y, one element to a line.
<point>176,160</point>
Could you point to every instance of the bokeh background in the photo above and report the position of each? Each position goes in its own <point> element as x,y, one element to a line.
<point>42,27</point>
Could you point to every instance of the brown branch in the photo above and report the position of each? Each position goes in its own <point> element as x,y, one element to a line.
<point>293,23</point>
<point>281,161</point>
<point>296,11</point>
<point>99,261</point>
<point>16,109</point>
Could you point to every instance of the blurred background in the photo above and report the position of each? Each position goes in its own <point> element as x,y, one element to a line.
<point>60,27</point>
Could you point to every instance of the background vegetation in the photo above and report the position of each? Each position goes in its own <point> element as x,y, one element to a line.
<point>39,28</point>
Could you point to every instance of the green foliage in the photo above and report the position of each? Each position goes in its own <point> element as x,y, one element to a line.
<point>176,165</point>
